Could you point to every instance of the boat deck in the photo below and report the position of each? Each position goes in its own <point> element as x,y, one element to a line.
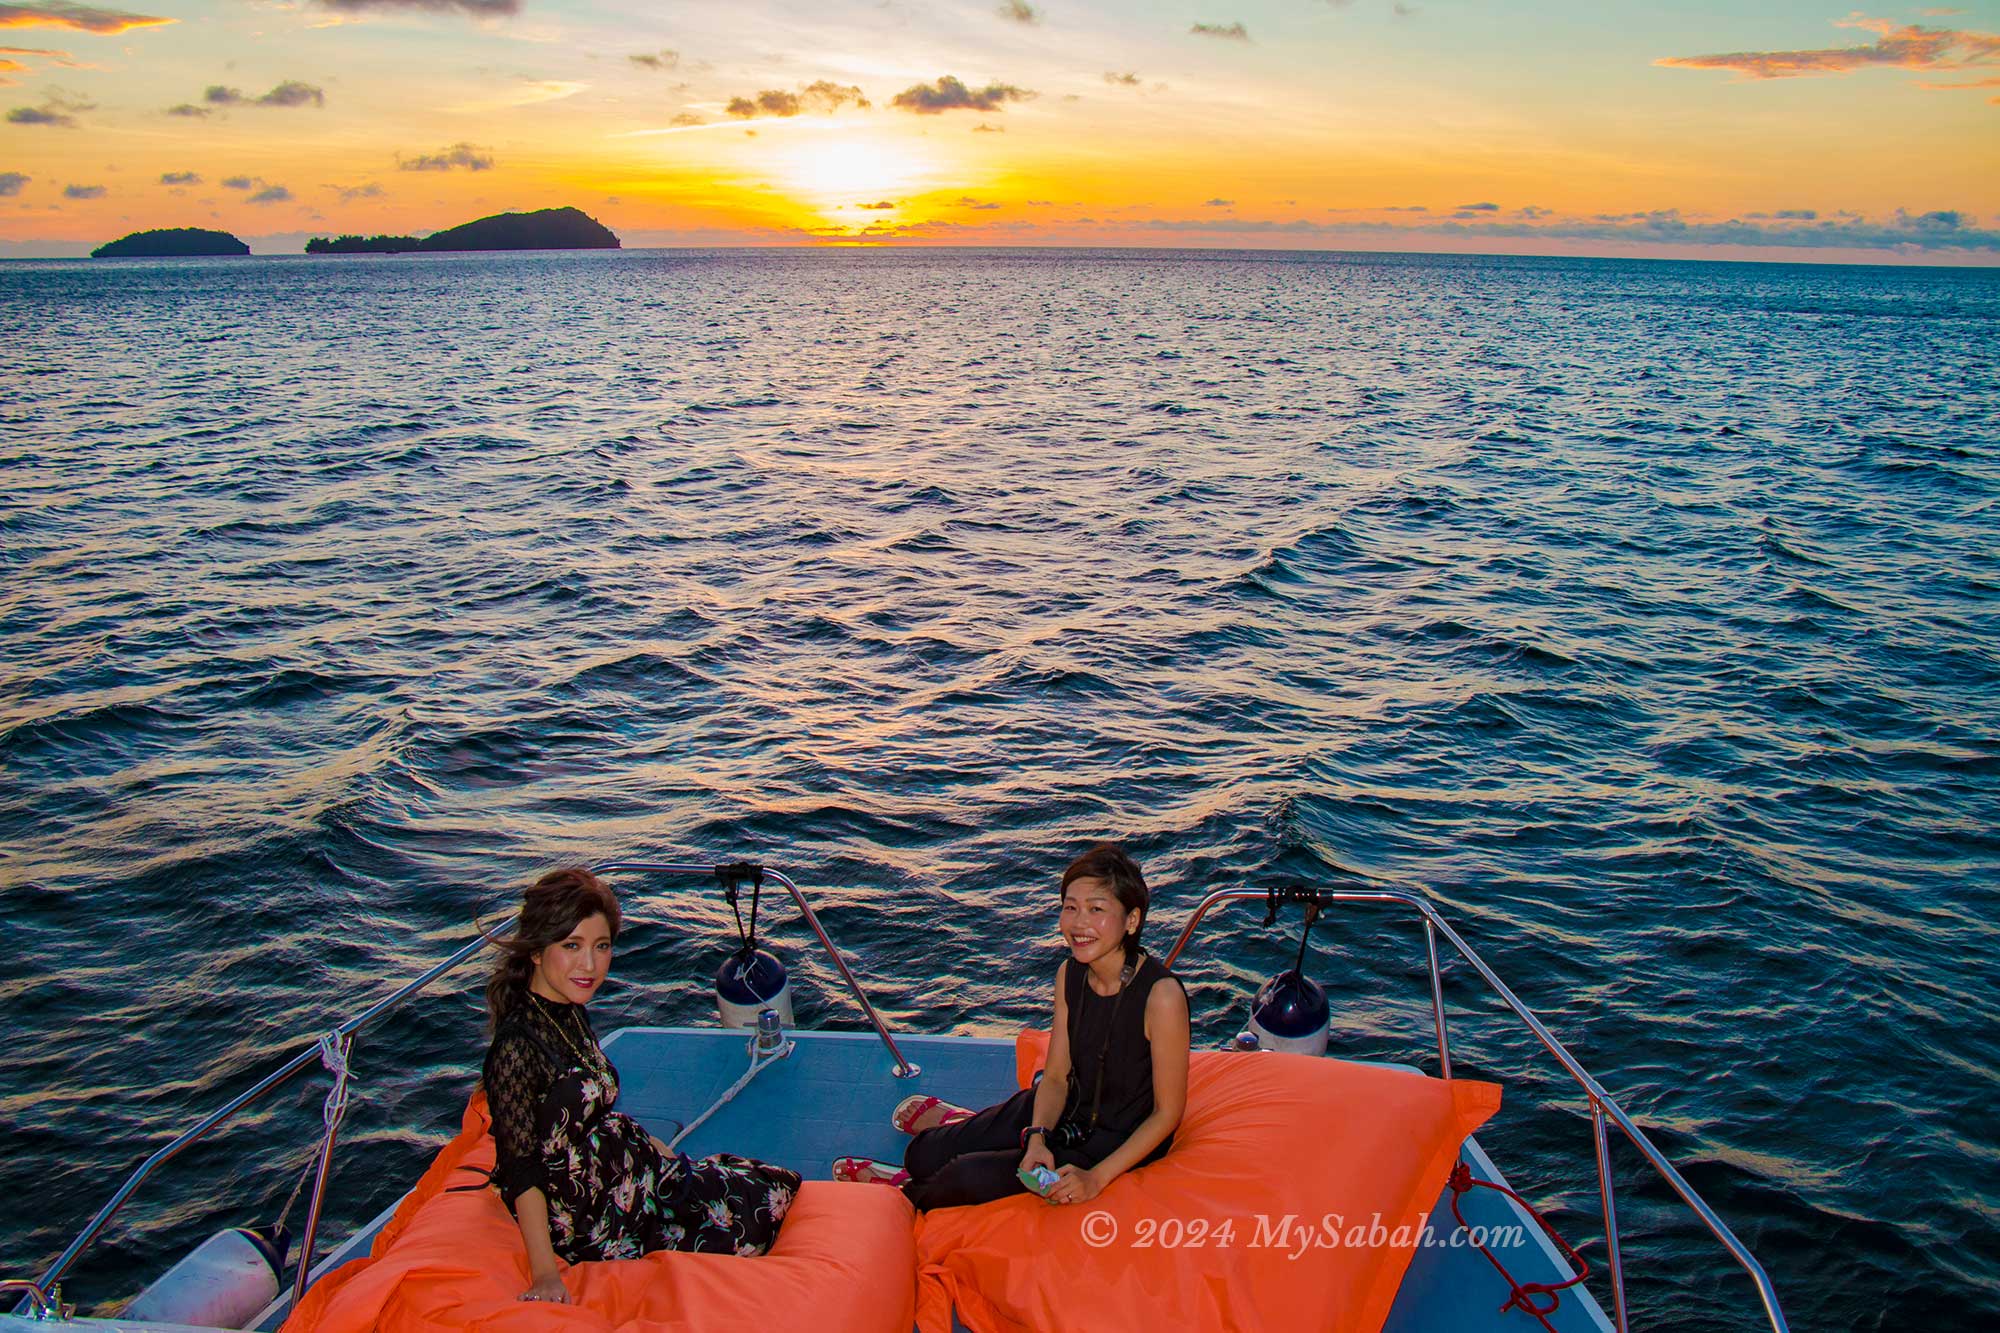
<point>832,1097</point>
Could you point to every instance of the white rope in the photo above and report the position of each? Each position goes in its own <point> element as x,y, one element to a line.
<point>333,1054</point>
<point>757,1064</point>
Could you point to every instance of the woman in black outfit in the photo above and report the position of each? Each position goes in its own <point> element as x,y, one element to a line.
<point>583,1181</point>
<point>1116,1081</point>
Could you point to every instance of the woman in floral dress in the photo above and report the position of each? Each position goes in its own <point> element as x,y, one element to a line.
<point>584,1181</point>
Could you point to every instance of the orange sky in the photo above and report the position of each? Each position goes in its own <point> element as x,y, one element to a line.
<point>1795,132</point>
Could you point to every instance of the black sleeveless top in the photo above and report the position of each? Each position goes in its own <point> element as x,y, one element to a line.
<point>1126,1062</point>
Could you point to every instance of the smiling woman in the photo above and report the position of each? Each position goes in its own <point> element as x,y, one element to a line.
<point>584,1181</point>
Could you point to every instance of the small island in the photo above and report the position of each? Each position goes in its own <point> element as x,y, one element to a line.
<point>361,245</point>
<point>171,242</point>
<point>544,229</point>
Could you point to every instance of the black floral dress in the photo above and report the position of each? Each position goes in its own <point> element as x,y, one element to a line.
<point>612,1193</point>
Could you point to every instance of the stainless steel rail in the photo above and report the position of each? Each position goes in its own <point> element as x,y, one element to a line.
<point>904,1069</point>
<point>345,1034</point>
<point>1602,1104</point>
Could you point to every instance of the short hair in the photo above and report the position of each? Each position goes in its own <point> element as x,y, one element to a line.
<point>1109,862</point>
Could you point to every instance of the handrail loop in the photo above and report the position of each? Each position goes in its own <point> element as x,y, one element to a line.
<point>1434,922</point>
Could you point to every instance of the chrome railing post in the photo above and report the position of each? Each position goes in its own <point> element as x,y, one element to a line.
<point>904,1069</point>
<point>1437,997</point>
<point>1604,1192</point>
<point>335,1049</point>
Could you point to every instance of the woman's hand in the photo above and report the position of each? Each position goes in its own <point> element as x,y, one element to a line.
<point>1078,1185</point>
<point>1038,1154</point>
<point>547,1287</point>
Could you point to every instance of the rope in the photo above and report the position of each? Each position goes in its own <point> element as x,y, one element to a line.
<point>757,1064</point>
<point>1523,1294</point>
<point>333,1054</point>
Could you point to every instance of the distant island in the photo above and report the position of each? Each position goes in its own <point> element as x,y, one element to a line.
<point>361,245</point>
<point>171,241</point>
<point>544,229</point>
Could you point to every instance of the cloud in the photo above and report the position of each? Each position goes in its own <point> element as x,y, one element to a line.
<point>687,118</point>
<point>237,183</point>
<point>270,194</point>
<point>457,155</point>
<point>1936,232</point>
<point>484,9</point>
<point>190,109</point>
<point>349,193</point>
<point>1798,214</point>
<point>1911,46</point>
<point>967,201</point>
<point>180,178</point>
<point>56,109</point>
<point>83,18</point>
<point>293,93</point>
<point>948,94</point>
<point>1018,11</point>
<point>289,93</point>
<point>1479,208</point>
<point>11,183</point>
<point>660,60</point>
<point>83,191</point>
<point>1218,203</point>
<point>1121,80</point>
<point>825,97</point>
<point>1532,211</point>
<point>879,205</point>
<point>983,128</point>
<point>55,57</point>
<point>1229,32</point>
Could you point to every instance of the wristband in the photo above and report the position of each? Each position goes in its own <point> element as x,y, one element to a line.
<point>1029,1131</point>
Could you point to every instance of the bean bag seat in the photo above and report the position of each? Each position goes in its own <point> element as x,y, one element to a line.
<point>843,1263</point>
<point>1200,1239</point>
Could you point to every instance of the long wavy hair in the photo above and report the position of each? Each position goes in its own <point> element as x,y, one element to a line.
<point>551,910</point>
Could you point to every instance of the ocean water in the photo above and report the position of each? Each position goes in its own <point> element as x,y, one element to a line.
<point>1644,613</point>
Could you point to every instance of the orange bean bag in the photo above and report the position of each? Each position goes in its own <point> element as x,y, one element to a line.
<point>1199,1239</point>
<point>449,1261</point>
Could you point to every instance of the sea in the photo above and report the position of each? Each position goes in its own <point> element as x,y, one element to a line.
<point>1646,615</point>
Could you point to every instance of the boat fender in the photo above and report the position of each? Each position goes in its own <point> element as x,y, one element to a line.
<point>750,981</point>
<point>223,1283</point>
<point>1290,1013</point>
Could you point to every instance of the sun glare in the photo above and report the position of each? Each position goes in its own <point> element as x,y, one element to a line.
<point>849,172</point>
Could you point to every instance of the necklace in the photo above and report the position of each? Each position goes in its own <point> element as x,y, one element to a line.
<point>592,1061</point>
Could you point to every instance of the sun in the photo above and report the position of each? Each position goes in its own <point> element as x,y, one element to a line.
<point>831,173</point>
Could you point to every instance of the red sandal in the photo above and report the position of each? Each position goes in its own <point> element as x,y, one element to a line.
<point>866,1170</point>
<point>912,1109</point>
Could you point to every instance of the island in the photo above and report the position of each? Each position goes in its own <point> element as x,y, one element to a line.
<point>361,245</point>
<point>544,229</point>
<point>171,241</point>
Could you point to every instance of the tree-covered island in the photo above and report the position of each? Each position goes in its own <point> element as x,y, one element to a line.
<point>544,229</point>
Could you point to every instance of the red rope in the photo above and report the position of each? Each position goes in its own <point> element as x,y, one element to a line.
<point>1524,1293</point>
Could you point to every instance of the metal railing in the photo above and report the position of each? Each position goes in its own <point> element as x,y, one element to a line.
<point>1602,1104</point>
<point>334,1048</point>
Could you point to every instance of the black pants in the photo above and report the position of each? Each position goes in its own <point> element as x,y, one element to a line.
<point>974,1160</point>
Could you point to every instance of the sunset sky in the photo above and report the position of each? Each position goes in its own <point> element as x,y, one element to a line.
<point>1785,130</point>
